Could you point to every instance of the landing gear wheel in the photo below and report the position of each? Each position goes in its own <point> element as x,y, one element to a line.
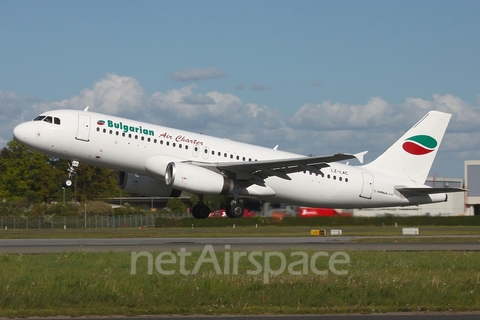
<point>67,183</point>
<point>200,211</point>
<point>234,210</point>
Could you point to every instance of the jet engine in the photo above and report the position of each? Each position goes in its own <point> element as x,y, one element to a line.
<point>146,186</point>
<point>197,179</point>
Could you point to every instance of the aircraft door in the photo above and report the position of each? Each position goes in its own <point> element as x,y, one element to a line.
<point>83,129</point>
<point>367,187</point>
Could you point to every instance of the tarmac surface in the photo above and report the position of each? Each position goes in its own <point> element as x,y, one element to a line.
<point>36,246</point>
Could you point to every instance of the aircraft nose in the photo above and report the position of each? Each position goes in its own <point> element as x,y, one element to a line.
<point>20,132</point>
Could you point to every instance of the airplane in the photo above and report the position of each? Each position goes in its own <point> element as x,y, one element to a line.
<point>160,161</point>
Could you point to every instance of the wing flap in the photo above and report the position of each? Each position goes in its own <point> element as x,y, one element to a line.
<point>280,167</point>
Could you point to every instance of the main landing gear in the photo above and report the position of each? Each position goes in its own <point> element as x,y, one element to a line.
<point>202,211</point>
<point>67,183</point>
<point>234,210</point>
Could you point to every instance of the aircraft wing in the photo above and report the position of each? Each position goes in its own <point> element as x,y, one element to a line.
<point>427,190</point>
<point>278,167</point>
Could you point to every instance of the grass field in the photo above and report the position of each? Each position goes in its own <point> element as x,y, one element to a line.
<point>81,283</point>
<point>264,231</point>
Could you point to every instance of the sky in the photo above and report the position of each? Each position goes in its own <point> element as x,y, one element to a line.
<point>314,77</point>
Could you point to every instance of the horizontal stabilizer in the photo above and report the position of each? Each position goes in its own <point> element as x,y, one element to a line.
<point>426,190</point>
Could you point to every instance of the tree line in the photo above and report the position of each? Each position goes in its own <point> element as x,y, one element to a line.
<point>30,176</point>
<point>31,185</point>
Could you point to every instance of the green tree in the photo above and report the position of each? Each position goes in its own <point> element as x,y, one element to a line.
<point>34,177</point>
<point>176,206</point>
<point>95,182</point>
<point>26,174</point>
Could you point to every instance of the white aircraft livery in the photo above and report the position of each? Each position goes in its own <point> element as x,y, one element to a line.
<point>160,161</point>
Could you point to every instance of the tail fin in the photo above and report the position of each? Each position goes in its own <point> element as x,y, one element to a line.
<point>413,154</point>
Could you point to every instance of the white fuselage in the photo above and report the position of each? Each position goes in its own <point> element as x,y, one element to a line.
<point>125,145</point>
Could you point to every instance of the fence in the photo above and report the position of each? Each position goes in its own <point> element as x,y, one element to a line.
<point>91,222</point>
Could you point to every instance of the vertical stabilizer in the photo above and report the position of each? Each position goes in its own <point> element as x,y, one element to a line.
<point>413,154</point>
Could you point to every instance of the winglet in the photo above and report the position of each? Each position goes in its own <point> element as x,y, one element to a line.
<point>360,155</point>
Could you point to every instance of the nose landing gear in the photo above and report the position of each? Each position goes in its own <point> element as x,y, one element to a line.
<point>67,183</point>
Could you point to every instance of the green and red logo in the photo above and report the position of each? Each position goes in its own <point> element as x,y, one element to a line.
<point>100,122</point>
<point>420,145</point>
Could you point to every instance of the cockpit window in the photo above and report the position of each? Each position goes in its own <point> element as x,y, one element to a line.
<point>48,119</point>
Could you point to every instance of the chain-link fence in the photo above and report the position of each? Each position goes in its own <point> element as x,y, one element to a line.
<point>78,222</point>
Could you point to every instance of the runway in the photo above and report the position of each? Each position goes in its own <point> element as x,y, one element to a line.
<point>36,246</point>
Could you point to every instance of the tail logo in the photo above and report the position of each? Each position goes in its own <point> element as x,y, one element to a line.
<point>420,145</point>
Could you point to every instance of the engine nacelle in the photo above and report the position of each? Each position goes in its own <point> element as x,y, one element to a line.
<point>146,186</point>
<point>156,165</point>
<point>197,179</point>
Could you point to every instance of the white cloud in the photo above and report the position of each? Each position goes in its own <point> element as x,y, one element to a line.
<point>319,129</point>
<point>328,116</point>
<point>197,74</point>
<point>114,94</point>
